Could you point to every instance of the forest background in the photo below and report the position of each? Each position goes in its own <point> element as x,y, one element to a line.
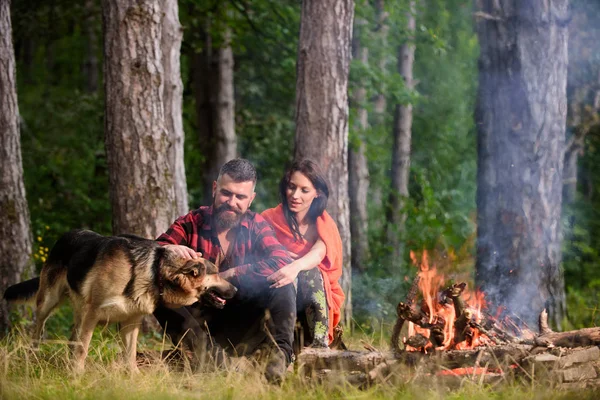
<point>58,50</point>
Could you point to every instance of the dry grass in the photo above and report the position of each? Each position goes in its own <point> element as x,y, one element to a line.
<point>44,374</point>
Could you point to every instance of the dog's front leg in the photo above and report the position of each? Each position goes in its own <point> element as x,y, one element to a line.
<point>88,322</point>
<point>129,333</point>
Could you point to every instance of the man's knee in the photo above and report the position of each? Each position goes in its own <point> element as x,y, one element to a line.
<point>285,295</point>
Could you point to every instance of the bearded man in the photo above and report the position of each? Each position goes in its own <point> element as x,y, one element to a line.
<point>245,249</point>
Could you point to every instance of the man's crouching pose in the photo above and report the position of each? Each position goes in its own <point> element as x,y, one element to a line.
<point>245,249</point>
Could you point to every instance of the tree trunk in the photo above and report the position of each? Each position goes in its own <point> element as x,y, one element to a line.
<point>215,106</point>
<point>172,33</point>
<point>322,108</point>
<point>521,115</point>
<point>382,29</point>
<point>15,230</point>
<point>137,142</point>
<point>359,170</point>
<point>402,132</point>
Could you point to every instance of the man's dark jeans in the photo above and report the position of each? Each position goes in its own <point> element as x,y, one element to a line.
<point>253,316</point>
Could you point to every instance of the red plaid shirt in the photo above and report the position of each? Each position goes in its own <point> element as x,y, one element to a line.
<point>256,252</point>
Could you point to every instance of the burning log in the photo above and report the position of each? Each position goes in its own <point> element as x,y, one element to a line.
<point>437,336</point>
<point>455,293</point>
<point>417,341</point>
<point>400,310</point>
<point>461,326</point>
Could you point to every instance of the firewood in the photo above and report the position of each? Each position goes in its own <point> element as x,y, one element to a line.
<point>368,346</point>
<point>417,341</point>
<point>410,298</point>
<point>577,338</point>
<point>437,335</point>
<point>461,325</point>
<point>313,359</point>
<point>543,322</point>
<point>381,372</point>
<point>338,343</point>
<point>455,293</point>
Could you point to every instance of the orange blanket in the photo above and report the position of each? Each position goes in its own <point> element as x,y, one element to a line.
<point>331,266</point>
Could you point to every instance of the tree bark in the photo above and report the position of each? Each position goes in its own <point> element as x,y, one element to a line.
<point>16,240</point>
<point>382,29</point>
<point>172,34</point>
<point>322,108</point>
<point>359,170</point>
<point>521,116</point>
<point>137,142</point>
<point>215,106</point>
<point>402,133</point>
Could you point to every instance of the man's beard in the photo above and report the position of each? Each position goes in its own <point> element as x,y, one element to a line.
<point>223,220</point>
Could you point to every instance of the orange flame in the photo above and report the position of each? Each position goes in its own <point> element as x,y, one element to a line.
<point>430,284</point>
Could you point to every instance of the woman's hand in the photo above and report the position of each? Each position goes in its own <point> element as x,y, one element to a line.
<point>284,276</point>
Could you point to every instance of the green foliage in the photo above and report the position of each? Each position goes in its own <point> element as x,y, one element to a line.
<point>264,40</point>
<point>581,219</point>
<point>62,127</point>
<point>442,184</point>
<point>62,137</point>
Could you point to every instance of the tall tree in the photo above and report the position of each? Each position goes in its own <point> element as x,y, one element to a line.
<point>357,160</point>
<point>172,34</point>
<point>137,142</point>
<point>583,89</point>
<point>402,134</point>
<point>15,230</point>
<point>521,115</point>
<point>322,107</point>
<point>382,36</point>
<point>215,102</point>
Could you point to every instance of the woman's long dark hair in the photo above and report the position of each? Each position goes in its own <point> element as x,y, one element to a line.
<point>311,170</point>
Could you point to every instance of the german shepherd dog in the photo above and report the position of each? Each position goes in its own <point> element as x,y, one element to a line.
<point>116,279</point>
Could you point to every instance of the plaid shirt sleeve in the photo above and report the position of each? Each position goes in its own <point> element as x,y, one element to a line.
<point>181,231</point>
<point>269,254</point>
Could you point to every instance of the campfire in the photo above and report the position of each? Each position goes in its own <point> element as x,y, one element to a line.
<point>453,333</point>
<point>451,317</point>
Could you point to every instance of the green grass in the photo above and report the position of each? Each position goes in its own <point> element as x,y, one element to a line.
<point>44,374</point>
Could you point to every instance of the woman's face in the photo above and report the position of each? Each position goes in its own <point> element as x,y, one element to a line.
<point>300,193</point>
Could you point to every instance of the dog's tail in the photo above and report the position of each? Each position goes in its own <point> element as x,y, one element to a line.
<point>22,293</point>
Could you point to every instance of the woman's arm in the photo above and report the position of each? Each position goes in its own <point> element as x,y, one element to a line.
<point>310,260</point>
<point>313,258</point>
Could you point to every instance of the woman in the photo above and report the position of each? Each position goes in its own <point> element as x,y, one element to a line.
<point>311,236</point>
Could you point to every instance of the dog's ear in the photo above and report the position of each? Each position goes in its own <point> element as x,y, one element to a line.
<point>194,268</point>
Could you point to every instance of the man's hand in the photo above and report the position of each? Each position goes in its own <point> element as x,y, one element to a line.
<point>184,251</point>
<point>227,275</point>
<point>284,276</point>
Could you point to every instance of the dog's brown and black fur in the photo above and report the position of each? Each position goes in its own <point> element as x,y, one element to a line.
<point>116,279</point>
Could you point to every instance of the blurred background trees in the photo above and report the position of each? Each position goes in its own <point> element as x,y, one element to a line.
<point>238,70</point>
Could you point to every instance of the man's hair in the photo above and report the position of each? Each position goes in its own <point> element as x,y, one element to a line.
<point>239,169</point>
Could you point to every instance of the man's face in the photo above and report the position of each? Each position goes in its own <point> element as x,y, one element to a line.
<point>230,201</point>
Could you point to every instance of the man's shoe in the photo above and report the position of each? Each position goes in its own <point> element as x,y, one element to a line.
<point>276,367</point>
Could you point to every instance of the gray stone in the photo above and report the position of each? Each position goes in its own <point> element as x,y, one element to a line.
<point>579,373</point>
<point>545,358</point>
<point>580,356</point>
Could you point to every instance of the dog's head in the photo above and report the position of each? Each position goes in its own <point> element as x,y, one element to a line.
<point>187,281</point>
